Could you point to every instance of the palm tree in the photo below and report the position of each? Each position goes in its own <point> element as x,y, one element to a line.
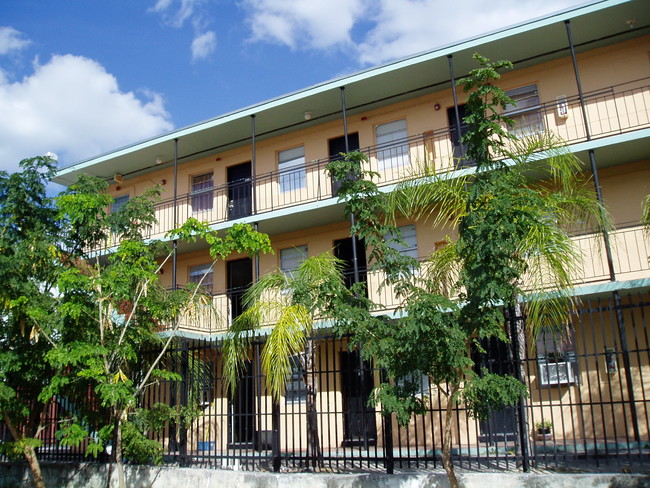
<point>290,303</point>
<point>513,255</point>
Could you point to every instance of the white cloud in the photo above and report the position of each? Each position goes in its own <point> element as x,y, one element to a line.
<point>71,106</point>
<point>318,24</point>
<point>203,45</point>
<point>176,13</point>
<point>381,30</point>
<point>11,40</point>
<point>403,27</point>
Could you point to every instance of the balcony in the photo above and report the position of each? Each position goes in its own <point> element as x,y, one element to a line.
<point>630,249</point>
<point>610,111</point>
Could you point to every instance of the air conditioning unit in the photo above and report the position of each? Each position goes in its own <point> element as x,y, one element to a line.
<point>555,373</point>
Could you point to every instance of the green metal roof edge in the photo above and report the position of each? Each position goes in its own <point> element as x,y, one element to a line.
<point>525,26</point>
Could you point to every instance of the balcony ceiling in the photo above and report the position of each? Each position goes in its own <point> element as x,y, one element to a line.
<point>525,44</point>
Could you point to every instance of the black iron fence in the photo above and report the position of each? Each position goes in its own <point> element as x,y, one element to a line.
<point>588,405</point>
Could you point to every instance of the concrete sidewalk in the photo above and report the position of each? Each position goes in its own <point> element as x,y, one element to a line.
<point>96,476</point>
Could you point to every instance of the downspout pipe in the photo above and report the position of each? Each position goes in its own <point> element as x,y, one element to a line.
<point>253,165</point>
<point>450,60</point>
<point>618,305</point>
<point>355,259</point>
<point>175,243</point>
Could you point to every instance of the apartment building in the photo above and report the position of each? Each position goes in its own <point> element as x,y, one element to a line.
<point>583,74</point>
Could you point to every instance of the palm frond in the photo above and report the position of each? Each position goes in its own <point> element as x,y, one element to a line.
<point>441,270</point>
<point>286,339</point>
<point>438,198</point>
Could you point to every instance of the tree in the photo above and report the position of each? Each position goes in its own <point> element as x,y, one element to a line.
<point>112,308</point>
<point>28,233</point>
<point>513,256</point>
<point>291,303</point>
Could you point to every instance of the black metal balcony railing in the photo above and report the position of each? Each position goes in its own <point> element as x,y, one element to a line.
<point>610,111</point>
<point>630,244</point>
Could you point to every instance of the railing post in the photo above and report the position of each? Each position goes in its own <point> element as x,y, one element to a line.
<point>275,437</point>
<point>389,456</point>
<point>182,448</point>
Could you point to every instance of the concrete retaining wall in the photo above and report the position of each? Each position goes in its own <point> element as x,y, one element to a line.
<point>97,475</point>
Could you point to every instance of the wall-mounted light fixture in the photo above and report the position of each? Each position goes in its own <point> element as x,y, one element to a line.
<point>610,360</point>
<point>307,115</point>
<point>159,159</point>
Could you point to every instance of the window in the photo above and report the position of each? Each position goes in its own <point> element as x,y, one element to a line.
<point>556,357</point>
<point>296,389</point>
<point>410,245</point>
<point>291,258</point>
<point>526,112</point>
<point>291,165</point>
<point>418,381</point>
<point>197,274</point>
<point>118,202</point>
<point>390,153</point>
<point>202,192</point>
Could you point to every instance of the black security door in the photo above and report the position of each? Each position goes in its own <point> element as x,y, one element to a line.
<point>240,278</point>
<point>357,382</point>
<point>241,428</point>
<point>239,191</point>
<point>336,147</point>
<point>460,150</point>
<point>343,251</point>
<point>501,425</point>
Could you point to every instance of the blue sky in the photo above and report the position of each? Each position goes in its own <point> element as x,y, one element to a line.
<point>82,77</point>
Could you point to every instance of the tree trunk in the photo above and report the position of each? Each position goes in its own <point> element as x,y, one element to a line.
<point>29,453</point>
<point>118,449</point>
<point>314,452</point>
<point>446,438</point>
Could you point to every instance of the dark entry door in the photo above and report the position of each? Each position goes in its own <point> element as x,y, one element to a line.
<point>343,251</point>
<point>241,428</point>
<point>360,428</point>
<point>336,147</point>
<point>239,191</point>
<point>240,278</point>
<point>501,425</point>
<point>459,149</point>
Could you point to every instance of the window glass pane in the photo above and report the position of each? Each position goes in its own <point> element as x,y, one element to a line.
<point>197,274</point>
<point>291,164</point>
<point>389,152</point>
<point>526,112</point>
<point>118,203</point>
<point>202,198</point>
<point>291,258</point>
<point>296,389</point>
<point>410,245</point>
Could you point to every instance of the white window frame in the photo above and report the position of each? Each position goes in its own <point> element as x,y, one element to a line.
<point>119,202</point>
<point>556,357</point>
<point>295,390</point>
<point>291,258</point>
<point>196,273</point>
<point>202,198</point>
<point>292,173</point>
<point>390,152</point>
<point>526,113</point>
<point>423,385</point>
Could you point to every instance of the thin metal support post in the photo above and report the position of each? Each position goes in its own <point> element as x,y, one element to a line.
<point>567,23</point>
<point>175,212</point>
<point>620,320</point>
<point>275,437</point>
<point>355,260</point>
<point>516,328</point>
<point>456,111</point>
<point>253,165</point>
<point>182,448</point>
<point>389,455</point>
